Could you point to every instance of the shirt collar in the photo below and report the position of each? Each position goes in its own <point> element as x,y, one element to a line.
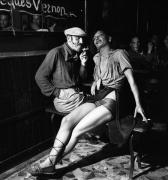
<point>69,53</point>
<point>110,52</point>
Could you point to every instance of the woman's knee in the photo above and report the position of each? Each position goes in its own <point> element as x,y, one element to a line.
<point>77,133</point>
<point>109,116</point>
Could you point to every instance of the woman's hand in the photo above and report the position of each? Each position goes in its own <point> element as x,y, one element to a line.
<point>139,109</point>
<point>93,88</point>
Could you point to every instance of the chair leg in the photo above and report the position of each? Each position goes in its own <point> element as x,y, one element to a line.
<point>139,157</point>
<point>52,123</point>
<point>52,117</point>
<point>132,157</point>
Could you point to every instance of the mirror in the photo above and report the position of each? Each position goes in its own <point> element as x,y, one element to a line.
<point>40,15</point>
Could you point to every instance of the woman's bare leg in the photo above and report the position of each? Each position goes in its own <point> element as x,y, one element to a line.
<point>96,117</point>
<point>67,125</point>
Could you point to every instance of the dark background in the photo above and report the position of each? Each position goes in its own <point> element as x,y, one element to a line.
<point>24,124</point>
<point>133,16</point>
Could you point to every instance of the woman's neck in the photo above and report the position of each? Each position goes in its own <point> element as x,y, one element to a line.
<point>105,50</point>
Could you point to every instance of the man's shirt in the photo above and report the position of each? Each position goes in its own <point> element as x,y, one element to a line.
<point>59,70</point>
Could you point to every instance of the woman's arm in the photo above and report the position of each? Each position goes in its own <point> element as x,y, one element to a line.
<point>138,109</point>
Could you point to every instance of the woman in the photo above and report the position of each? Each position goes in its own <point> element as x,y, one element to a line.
<point>111,69</point>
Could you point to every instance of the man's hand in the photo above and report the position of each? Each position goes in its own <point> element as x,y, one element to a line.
<point>51,28</point>
<point>83,57</point>
<point>150,47</point>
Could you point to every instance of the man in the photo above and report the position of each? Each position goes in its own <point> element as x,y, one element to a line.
<point>62,69</point>
<point>4,22</point>
<point>36,24</point>
<point>137,58</point>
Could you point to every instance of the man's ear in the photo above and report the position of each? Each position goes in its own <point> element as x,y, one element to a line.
<point>69,37</point>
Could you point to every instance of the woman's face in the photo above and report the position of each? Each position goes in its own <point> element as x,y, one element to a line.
<point>100,39</point>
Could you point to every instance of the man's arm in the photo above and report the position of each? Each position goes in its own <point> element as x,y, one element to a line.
<point>43,75</point>
<point>83,58</point>
<point>83,72</point>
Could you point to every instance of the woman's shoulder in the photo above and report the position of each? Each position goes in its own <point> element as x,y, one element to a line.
<point>119,51</point>
<point>96,57</point>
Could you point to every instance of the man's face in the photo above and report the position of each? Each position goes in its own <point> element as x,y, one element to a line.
<point>100,40</point>
<point>166,41</point>
<point>3,21</point>
<point>36,19</point>
<point>75,42</point>
<point>135,44</point>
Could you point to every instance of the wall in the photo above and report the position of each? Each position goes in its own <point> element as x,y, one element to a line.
<point>23,121</point>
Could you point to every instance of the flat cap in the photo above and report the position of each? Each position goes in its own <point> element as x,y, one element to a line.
<point>75,31</point>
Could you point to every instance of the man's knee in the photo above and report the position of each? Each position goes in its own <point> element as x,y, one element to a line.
<point>66,122</point>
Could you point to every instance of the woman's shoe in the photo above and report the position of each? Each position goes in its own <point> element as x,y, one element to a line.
<point>37,170</point>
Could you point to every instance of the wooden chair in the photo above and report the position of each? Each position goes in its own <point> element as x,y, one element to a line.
<point>53,113</point>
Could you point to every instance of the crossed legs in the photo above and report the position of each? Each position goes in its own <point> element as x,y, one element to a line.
<point>93,119</point>
<point>64,134</point>
<point>83,119</point>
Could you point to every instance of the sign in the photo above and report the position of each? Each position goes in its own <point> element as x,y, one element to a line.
<point>55,15</point>
<point>5,5</point>
<point>28,6</point>
<point>59,9</point>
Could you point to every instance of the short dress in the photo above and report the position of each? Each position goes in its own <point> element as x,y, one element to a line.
<point>109,73</point>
